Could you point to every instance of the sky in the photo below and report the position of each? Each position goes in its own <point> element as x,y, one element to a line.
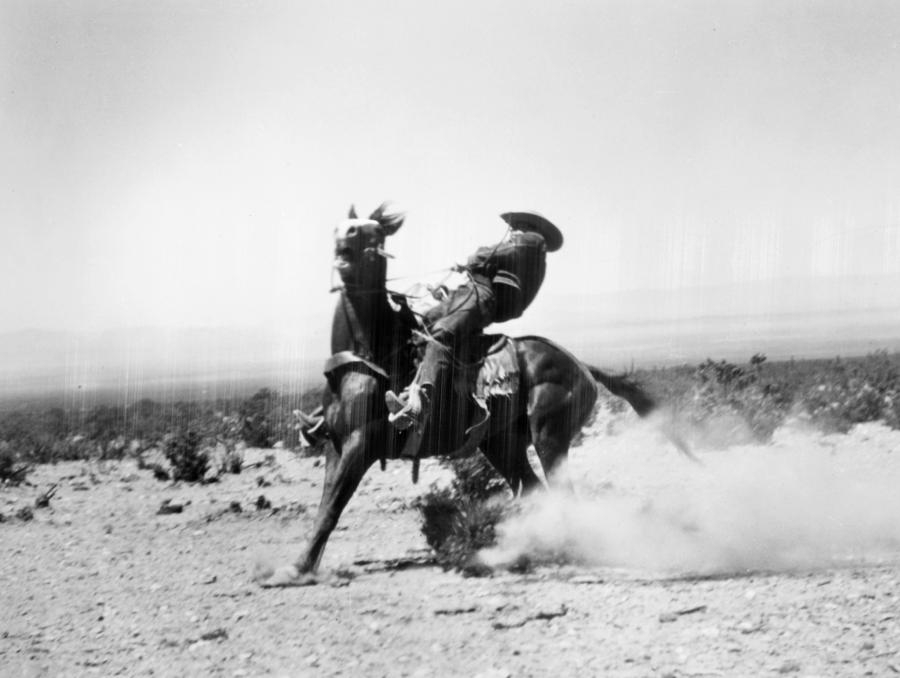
<point>183,164</point>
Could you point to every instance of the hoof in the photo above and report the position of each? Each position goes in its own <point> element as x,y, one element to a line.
<point>286,575</point>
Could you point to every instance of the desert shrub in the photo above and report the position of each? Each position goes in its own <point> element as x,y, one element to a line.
<point>258,418</point>
<point>845,393</point>
<point>744,403</point>
<point>741,401</point>
<point>189,460</point>
<point>147,420</point>
<point>12,469</point>
<point>103,424</point>
<point>75,448</point>
<point>47,433</point>
<point>233,461</point>
<point>460,520</point>
<point>224,432</point>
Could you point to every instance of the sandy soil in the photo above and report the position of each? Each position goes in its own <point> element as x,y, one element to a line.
<point>101,584</point>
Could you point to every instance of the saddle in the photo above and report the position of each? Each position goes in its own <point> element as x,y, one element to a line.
<point>496,374</point>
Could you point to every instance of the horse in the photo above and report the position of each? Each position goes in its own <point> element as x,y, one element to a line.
<point>372,352</point>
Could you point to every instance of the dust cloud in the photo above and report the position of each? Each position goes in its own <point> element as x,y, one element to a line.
<point>804,501</point>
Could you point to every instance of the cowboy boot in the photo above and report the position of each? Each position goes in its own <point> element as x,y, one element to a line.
<point>405,409</point>
<point>310,427</point>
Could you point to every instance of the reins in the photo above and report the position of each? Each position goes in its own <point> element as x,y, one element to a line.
<point>423,333</point>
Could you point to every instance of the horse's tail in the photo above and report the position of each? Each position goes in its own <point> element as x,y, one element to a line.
<point>623,386</point>
<point>643,403</point>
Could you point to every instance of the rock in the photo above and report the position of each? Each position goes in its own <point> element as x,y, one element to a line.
<point>691,610</point>
<point>456,609</point>
<point>520,620</point>
<point>747,627</point>
<point>169,507</point>
<point>551,612</point>
<point>43,500</point>
<point>215,634</point>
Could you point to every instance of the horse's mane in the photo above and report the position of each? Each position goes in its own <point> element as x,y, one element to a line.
<point>390,220</point>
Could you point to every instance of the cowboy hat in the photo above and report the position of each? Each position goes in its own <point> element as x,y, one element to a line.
<point>533,222</point>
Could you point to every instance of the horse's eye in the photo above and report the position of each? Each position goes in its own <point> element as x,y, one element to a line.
<point>351,232</point>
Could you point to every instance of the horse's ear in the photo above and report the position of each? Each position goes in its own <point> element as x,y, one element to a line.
<point>352,213</point>
<point>390,221</point>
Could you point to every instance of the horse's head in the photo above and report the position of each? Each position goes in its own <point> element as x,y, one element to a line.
<point>359,254</point>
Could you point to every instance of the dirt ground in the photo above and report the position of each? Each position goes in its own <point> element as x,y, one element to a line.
<point>99,583</point>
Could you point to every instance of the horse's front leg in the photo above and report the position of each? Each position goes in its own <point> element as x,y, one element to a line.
<point>358,431</point>
<point>344,470</point>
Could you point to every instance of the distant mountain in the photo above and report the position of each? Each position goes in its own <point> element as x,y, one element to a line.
<point>782,318</point>
<point>771,297</point>
<point>151,360</point>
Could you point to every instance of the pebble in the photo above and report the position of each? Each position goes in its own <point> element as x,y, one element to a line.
<point>494,673</point>
<point>789,667</point>
<point>586,579</point>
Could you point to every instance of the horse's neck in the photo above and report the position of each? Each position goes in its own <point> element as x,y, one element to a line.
<point>360,322</point>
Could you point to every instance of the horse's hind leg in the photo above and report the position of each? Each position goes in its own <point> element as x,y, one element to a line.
<point>555,415</point>
<point>549,421</point>
<point>506,447</point>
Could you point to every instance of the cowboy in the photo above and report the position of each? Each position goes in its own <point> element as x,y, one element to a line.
<point>502,281</point>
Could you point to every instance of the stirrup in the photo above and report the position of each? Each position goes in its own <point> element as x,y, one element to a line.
<point>310,427</point>
<point>404,413</point>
